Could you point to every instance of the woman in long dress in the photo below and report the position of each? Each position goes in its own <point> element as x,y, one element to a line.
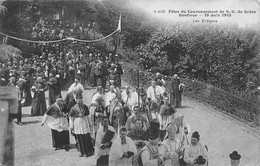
<point>81,127</point>
<point>39,103</point>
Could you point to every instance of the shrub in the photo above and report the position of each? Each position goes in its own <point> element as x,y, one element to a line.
<point>216,97</point>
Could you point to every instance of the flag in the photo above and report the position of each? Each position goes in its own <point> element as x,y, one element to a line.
<point>119,24</point>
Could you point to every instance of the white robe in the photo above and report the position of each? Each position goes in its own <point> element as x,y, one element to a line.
<point>134,100</point>
<point>192,152</point>
<point>158,90</point>
<point>94,102</point>
<point>164,120</point>
<point>81,125</point>
<point>126,98</point>
<point>95,97</point>
<point>171,147</point>
<point>117,151</point>
<point>109,97</point>
<point>76,87</point>
<point>146,157</point>
<point>56,123</point>
<point>59,124</point>
<point>100,134</point>
<point>93,107</point>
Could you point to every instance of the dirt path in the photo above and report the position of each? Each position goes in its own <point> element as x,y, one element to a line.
<point>222,135</point>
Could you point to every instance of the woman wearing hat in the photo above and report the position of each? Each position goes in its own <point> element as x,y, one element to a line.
<point>81,126</point>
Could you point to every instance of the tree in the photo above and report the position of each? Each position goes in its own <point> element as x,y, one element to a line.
<point>223,56</point>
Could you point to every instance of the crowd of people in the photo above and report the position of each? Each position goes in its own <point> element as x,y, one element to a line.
<point>136,126</point>
<point>56,29</point>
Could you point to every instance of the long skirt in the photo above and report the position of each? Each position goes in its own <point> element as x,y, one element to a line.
<point>85,143</point>
<point>39,105</point>
<point>60,139</point>
<point>103,161</point>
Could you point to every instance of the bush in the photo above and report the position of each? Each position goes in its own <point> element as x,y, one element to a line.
<point>218,98</point>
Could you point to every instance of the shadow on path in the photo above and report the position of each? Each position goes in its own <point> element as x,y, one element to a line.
<point>185,106</point>
<point>26,115</point>
<point>31,122</point>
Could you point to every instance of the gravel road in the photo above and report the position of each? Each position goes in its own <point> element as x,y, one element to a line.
<point>222,134</point>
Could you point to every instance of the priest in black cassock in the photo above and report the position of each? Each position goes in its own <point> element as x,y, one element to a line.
<point>81,126</point>
<point>54,87</point>
<point>56,119</point>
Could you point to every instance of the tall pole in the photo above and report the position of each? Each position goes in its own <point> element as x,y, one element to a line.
<point>138,88</point>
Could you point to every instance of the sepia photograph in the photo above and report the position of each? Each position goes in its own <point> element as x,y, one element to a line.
<point>129,82</point>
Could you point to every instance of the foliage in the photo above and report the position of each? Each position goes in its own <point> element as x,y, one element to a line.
<point>99,17</point>
<point>221,56</point>
<point>246,109</point>
<point>2,10</point>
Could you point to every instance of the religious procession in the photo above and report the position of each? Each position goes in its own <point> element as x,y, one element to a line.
<point>123,125</point>
<point>130,126</point>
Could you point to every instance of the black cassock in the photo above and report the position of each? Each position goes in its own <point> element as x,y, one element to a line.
<point>175,95</point>
<point>39,103</point>
<point>54,89</point>
<point>60,139</point>
<point>84,141</point>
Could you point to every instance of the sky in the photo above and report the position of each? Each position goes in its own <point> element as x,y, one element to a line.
<point>155,9</point>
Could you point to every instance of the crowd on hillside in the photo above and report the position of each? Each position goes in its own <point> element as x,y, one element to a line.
<point>50,29</point>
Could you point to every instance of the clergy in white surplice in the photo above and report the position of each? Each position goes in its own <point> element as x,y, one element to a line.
<point>111,95</point>
<point>123,150</point>
<point>154,92</point>
<point>126,97</point>
<point>196,153</point>
<point>134,99</point>
<point>76,86</point>
<point>106,134</point>
<point>170,147</point>
<point>97,108</point>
